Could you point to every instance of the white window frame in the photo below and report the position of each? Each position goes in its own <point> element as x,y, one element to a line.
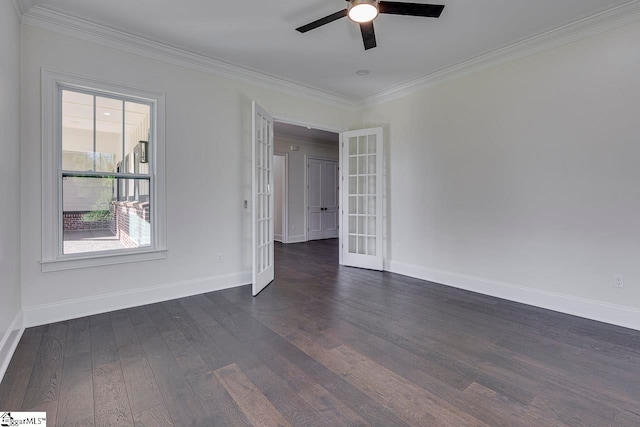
<point>52,257</point>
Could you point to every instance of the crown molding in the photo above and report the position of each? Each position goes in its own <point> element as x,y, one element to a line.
<point>61,23</point>
<point>22,6</point>
<point>581,29</point>
<point>18,8</point>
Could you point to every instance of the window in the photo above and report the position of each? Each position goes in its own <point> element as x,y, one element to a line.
<point>103,173</point>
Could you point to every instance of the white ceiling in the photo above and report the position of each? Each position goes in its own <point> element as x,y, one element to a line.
<point>260,35</point>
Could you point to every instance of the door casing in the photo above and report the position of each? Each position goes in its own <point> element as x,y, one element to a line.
<point>285,196</point>
<point>340,132</point>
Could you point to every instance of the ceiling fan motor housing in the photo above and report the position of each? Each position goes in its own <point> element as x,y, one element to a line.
<point>363,10</point>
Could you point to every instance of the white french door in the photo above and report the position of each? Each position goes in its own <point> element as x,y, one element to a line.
<point>322,197</point>
<point>262,218</point>
<point>362,209</point>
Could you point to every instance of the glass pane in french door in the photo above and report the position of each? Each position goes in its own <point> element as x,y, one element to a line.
<point>362,195</point>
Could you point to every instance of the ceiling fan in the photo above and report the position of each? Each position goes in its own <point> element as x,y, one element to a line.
<point>364,12</point>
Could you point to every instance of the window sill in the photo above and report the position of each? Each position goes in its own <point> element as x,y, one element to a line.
<point>73,263</point>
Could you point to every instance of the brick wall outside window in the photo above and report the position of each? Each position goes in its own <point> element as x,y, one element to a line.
<point>130,222</point>
<point>77,221</point>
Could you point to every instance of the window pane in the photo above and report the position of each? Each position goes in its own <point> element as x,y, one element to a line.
<point>352,224</point>
<point>102,150</point>
<point>362,165</point>
<point>362,204</point>
<point>372,164</point>
<point>362,145</point>
<point>77,131</point>
<point>353,244</point>
<point>353,185</point>
<point>353,204</point>
<point>362,246</point>
<point>372,184</point>
<point>353,146</point>
<point>102,214</point>
<point>362,185</point>
<point>108,134</point>
<point>372,205</point>
<point>137,121</point>
<point>353,165</point>
<point>372,144</point>
<point>362,228</point>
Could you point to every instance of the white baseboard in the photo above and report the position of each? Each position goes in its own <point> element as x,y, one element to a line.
<point>278,238</point>
<point>72,309</point>
<point>297,239</point>
<point>10,341</point>
<point>620,315</point>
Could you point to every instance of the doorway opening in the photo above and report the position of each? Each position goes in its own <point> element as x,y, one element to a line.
<point>360,194</point>
<point>306,194</point>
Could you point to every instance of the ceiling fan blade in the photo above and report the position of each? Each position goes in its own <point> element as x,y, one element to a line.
<point>368,35</point>
<point>322,21</point>
<point>413,9</point>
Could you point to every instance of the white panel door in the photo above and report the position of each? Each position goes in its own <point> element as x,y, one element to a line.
<point>330,199</point>
<point>362,212</point>
<point>262,224</point>
<point>322,199</point>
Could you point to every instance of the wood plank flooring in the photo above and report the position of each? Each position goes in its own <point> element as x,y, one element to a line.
<point>326,345</point>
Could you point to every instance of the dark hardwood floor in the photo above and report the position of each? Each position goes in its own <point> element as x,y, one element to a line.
<point>326,346</point>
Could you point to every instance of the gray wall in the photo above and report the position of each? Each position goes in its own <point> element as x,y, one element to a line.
<point>522,180</point>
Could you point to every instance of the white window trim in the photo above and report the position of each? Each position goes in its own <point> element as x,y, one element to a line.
<point>52,258</point>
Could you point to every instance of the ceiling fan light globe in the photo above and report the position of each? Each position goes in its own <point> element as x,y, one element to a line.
<point>361,11</point>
